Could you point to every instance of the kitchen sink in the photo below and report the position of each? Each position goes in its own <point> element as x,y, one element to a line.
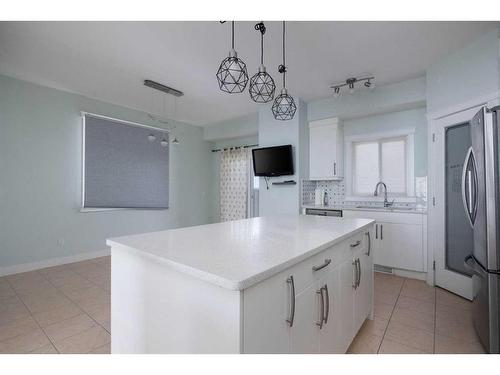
<point>387,208</point>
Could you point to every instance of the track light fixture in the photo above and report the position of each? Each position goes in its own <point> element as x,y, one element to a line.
<point>351,83</point>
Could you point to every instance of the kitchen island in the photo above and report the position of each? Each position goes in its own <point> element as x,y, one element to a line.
<point>282,284</point>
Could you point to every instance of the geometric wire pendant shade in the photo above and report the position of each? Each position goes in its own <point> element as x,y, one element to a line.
<point>232,75</point>
<point>262,86</point>
<point>284,106</point>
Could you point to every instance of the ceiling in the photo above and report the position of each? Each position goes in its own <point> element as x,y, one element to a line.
<point>109,60</point>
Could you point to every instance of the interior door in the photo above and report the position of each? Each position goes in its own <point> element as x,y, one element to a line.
<point>451,235</point>
<point>304,335</point>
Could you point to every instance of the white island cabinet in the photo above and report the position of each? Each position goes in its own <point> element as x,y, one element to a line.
<point>284,284</point>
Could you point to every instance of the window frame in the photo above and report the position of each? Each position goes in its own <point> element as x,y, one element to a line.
<point>408,136</point>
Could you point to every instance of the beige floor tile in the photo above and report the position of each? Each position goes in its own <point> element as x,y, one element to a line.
<point>101,299</point>
<point>45,301</point>
<point>104,349</point>
<point>458,325</point>
<point>364,343</point>
<point>69,327</point>
<point>417,305</point>
<point>410,336</point>
<point>47,349</point>
<point>448,345</point>
<point>413,319</point>
<point>101,313</point>
<point>54,269</point>
<point>385,297</point>
<point>73,287</point>
<point>17,327</point>
<point>419,290</point>
<point>24,343</point>
<point>34,288</point>
<point>444,297</point>
<point>6,290</point>
<point>84,342</point>
<point>106,325</point>
<point>91,292</point>
<point>375,327</point>
<point>382,310</point>
<point>388,283</point>
<point>12,308</point>
<point>389,346</point>
<point>57,314</point>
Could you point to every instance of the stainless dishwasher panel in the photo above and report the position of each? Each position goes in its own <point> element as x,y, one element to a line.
<point>314,211</point>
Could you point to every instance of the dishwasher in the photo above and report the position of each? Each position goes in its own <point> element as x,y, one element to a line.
<point>315,211</point>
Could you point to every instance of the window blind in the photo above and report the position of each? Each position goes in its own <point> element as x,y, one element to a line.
<point>125,165</point>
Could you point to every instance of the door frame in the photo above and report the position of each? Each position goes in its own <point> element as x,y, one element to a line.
<point>453,281</point>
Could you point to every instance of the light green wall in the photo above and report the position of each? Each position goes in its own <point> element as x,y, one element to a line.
<point>413,118</point>
<point>40,169</point>
<point>466,76</point>
<point>240,127</point>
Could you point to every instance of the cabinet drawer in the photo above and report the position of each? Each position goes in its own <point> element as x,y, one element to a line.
<point>303,273</point>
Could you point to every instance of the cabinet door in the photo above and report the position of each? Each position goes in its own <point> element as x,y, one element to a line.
<point>329,337</point>
<point>346,310</point>
<point>267,306</point>
<point>325,149</point>
<point>400,246</point>
<point>364,292</point>
<point>304,334</point>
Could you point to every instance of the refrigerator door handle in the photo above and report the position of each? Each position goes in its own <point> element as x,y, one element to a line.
<point>471,265</point>
<point>467,187</point>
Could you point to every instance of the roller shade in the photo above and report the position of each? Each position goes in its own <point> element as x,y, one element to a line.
<point>124,167</point>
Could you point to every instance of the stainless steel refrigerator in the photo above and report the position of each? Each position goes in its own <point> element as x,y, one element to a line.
<point>481,198</point>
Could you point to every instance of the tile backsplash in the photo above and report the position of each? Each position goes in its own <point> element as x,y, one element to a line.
<point>336,194</point>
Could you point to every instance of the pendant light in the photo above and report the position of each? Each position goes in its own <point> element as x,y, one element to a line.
<point>232,75</point>
<point>284,107</point>
<point>262,85</point>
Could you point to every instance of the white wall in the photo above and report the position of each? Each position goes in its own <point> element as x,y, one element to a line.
<point>465,76</point>
<point>246,126</point>
<point>40,169</point>
<point>284,199</point>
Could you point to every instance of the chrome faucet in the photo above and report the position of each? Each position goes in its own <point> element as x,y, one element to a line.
<point>375,194</point>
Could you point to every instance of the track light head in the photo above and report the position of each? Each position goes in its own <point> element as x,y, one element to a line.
<point>336,92</point>
<point>368,84</point>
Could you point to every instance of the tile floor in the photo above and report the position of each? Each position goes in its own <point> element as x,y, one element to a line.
<point>63,309</point>
<point>412,317</point>
<point>66,309</point>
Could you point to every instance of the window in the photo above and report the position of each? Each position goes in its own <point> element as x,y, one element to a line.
<point>125,165</point>
<point>381,159</point>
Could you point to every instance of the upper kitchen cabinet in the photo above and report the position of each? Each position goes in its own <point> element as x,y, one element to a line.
<point>326,147</point>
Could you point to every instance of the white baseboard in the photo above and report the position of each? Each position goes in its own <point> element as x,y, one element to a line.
<point>411,274</point>
<point>25,267</point>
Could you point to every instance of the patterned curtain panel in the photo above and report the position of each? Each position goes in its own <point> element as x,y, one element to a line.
<point>234,183</point>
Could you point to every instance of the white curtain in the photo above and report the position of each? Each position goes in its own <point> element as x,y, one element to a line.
<point>235,173</point>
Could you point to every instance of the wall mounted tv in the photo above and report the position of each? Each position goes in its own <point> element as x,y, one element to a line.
<point>273,161</point>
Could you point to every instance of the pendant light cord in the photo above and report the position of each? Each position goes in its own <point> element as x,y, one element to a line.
<point>284,65</point>
<point>232,34</point>
<point>262,49</point>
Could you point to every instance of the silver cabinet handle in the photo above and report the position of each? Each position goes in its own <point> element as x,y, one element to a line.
<point>359,272</point>
<point>334,168</point>
<point>292,301</point>
<point>381,232</point>
<point>376,231</point>
<point>322,317</point>
<point>327,312</point>
<point>355,244</point>
<point>326,263</point>
<point>369,243</point>
<point>355,282</point>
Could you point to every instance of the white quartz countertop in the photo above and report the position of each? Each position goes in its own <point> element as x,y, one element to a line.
<point>238,254</point>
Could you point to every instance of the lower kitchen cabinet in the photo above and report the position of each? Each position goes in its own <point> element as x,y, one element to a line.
<point>324,315</point>
<point>399,240</point>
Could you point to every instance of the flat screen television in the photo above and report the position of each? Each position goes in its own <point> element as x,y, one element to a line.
<point>273,161</point>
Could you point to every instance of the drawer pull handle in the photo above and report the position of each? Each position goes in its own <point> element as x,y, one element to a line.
<point>358,242</point>
<point>319,292</point>
<point>317,268</point>
<point>327,313</point>
<point>369,243</point>
<point>292,301</point>
<point>355,281</point>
